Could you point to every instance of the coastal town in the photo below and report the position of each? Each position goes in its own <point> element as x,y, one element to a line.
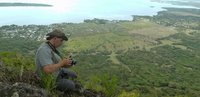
<point>35,32</point>
<point>38,32</point>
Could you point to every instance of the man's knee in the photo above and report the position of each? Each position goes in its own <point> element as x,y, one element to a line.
<point>70,72</point>
<point>65,85</point>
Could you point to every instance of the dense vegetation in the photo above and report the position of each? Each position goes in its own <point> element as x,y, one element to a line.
<point>166,67</point>
<point>19,44</point>
<point>154,56</point>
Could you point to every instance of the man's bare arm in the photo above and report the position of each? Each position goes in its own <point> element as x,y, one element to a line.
<point>53,67</point>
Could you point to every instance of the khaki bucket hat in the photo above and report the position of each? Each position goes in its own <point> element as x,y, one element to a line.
<point>58,33</point>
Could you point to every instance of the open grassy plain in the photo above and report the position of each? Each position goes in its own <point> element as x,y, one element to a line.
<point>131,35</point>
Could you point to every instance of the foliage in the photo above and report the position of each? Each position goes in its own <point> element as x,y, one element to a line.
<point>15,64</point>
<point>17,44</point>
<point>163,66</point>
<point>181,18</point>
<point>104,83</point>
<point>97,21</point>
<point>48,81</point>
<point>126,94</point>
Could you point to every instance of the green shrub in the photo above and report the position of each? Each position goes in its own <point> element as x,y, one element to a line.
<point>127,94</point>
<point>13,65</point>
<point>48,81</point>
<point>105,84</point>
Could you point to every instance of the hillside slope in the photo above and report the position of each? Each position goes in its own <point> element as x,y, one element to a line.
<point>156,56</point>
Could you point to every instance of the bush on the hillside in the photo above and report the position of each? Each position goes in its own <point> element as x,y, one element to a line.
<point>14,66</point>
<point>104,83</point>
<point>126,94</point>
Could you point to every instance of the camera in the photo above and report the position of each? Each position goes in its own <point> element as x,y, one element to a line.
<point>73,61</point>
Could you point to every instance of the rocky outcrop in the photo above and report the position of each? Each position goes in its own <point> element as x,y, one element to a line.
<point>19,89</point>
<point>22,90</point>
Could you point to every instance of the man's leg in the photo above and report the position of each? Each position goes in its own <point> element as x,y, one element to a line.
<point>65,85</point>
<point>64,81</point>
<point>69,73</point>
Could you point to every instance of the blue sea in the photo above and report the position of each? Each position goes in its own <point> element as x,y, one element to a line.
<point>77,12</point>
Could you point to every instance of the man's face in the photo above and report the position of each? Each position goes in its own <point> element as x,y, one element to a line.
<point>58,42</point>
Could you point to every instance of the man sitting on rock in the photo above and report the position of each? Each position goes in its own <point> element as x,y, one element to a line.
<point>48,60</point>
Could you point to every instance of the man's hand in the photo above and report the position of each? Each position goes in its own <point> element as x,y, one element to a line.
<point>67,62</point>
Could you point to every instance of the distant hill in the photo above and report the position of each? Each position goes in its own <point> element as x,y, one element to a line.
<point>23,4</point>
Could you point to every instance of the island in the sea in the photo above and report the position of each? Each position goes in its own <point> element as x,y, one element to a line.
<point>24,5</point>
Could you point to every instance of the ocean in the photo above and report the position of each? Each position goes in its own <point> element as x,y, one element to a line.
<point>80,10</point>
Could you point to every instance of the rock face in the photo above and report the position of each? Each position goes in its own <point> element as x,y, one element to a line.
<point>26,90</point>
<point>22,90</point>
